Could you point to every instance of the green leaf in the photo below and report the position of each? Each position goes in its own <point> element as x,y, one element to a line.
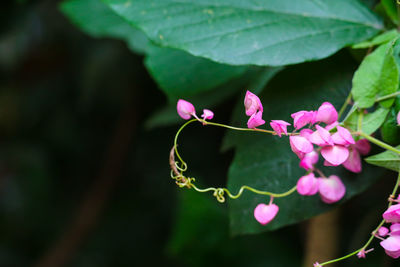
<point>182,75</point>
<point>98,20</point>
<point>267,163</point>
<point>274,32</point>
<point>378,40</point>
<point>378,75</point>
<point>371,121</point>
<point>391,10</point>
<point>388,159</point>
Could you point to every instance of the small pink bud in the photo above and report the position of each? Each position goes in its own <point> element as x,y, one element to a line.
<point>327,113</point>
<point>185,109</point>
<point>308,161</point>
<point>353,162</point>
<point>302,118</point>
<point>335,155</point>
<point>343,137</point>
<point>255,120</point>
<point>265,213</point>
<point>392,246</point>
<point>362,253</point>
<point>317,265</point>
<point>392,214</point>
<point>307,185</point>
<point>300,145</point>
<point>279,126</point>
<point>363,146</point>
<point>331,189</point>
<point>252,104</point>
<point>207,114</point>
<point>383,231</point>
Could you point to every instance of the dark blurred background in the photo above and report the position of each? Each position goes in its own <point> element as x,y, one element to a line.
<point>83,182</point>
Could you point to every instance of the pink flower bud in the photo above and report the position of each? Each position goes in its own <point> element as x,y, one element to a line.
<point>300,145</point>
<point>343,137</point>
<point>185,109</point>
<point>252,104</point>
<point>392,246</point>
<point>279,126</point>
<point>392,214</point>
<point>207,114</point>
<point>265,213</point>
<point>255,120</point>
<point>331,189</point>
<point>383,231</point>
<point>308,161</point>
<point>363,146</point>
<point>302,118</point>
<point>317,265</point>
<point>362,253</point>
<point>335,155</point>
<point>353,162</point>
<point>327,113</point>
<point>321,137</point>
<point>307,185</point>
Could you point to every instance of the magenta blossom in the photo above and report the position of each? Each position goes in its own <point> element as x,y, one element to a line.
<point>300,145</point>
<point>392,214</point>
<point>321,137</point>
<point>309,160</point>
<point>392,246</point>
<point>307,185</point>
<point>265,213</point>
<point>185,109</point>
<point>207,114</point>
<point>383,231</point>
<point>255,120</point>
<point>252,104</point>
<point>302,118</point>
<point>363,146</point>
<point>335,155</point>
<point>343,137</point>
<point>327,113</point>
<point>353,162</point>
<point>279,126</point>
<point>331,189</point>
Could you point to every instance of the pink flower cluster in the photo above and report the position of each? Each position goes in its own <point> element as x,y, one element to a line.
<point>392,242</point>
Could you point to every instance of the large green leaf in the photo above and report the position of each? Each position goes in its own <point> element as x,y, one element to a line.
<point>267,162</point>
<point>274,32</point>
<point>378,75</point>
<point>98,20</point>
<point>182,75</point>
<point>388,159</point>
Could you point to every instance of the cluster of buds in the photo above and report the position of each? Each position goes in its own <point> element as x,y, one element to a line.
<point>334,142</point>
<point>186,110</point>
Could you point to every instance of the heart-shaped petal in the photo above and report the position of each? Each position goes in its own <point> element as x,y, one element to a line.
<point>335,155</point>
<point>265,213</point>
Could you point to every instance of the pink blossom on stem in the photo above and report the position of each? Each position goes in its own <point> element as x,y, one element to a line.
<point>335,155</point>
<point>362,253</point>
<point>255,120</point>
<point>307,185</point>
<point>331,189</point>
<point>321,137</point>
<point>343,137</point>
<point>353,162</point>
<point>265,213</point>
<point>392,246</point>
<point>300,145</point>
<point>279,126</point>
<point>185,109</point>
<point>327,113</point>
<point>363,146</point>
<point>383,231</point>
<point>252,104</point>
<point>207,114</point>
<point>302,118</point>
<point>309,160</point>
<point>392,214</point>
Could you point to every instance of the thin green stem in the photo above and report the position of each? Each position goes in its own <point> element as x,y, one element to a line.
<point>341,258</point>
<point>382,98</point>
<point>344,106</point>
<point>378,142</point>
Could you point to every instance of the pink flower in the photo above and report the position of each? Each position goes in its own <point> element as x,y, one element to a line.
<point>207,114</point>
<point>392,246</point>
<point>343,137</point>
<point>252,104</point>
<point>300,145</point>
<point>308,161</point>
<point>302,118</point>
<point>185,109</point>
<point>321,137</point>
<point>363,146</point>
<point>383,231</point>
<point>307,185</point>
<point>279,126</point>
<point>327,113</point>
<point>392,214</point>
<point>331,189</point>
<point>265,213</point>
<point>335,155</point>
<point>353,162</point>
<point>255,120</point>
